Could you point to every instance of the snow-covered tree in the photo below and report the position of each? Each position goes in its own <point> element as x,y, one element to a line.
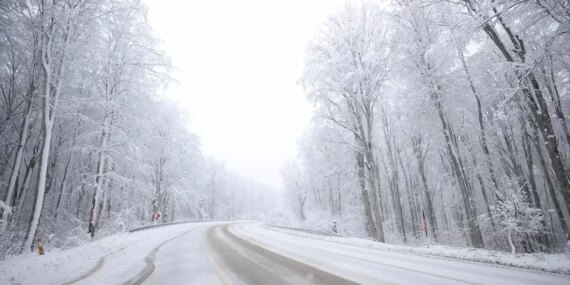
<point>458,126</point>
<point>345,71</point>
<point>515,215</point>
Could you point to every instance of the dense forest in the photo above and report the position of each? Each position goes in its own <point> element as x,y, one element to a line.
<point>88,147</point>
<point>439,122</point>
<point>434,122</point>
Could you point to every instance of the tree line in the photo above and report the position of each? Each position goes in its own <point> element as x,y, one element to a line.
<point>87,145</point>
<point>439,121</point>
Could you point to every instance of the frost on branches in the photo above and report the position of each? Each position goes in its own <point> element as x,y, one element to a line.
<point>516,217</point>
<point>430,115</point>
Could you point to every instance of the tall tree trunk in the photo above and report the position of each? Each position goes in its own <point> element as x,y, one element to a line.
<point>24,189</point>
<point>549,184</point>
<point>50,103</point>
<point>374,181</point>
<point>48,116</point>
<point>369,222</point>
<point>213,201</point>
<point>18,158</point>
<point>392,170</point>
<point>532,93</point>
<point>101,162</point>
<point>420,154</point>
<point>410,196</point>
<point>542,238</point>
<point>41,185</point>
<point>62,189</point>
<point>483,188</point>
<point>557,103</point>
<point>480,117</point>
<point>458,170</point>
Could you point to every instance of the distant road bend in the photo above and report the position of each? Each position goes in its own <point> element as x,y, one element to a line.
<point>247,253</point>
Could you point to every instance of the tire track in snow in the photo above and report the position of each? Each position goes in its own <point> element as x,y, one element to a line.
<point>147,271</point>
<point>256,264</point>
<point>91,271</point>
<point>256,243</point>
<point>101,260</point>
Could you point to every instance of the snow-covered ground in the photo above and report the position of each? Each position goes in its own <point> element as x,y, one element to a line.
<point>250,253</point>
<point>124,258</point>
<point>556,263</point>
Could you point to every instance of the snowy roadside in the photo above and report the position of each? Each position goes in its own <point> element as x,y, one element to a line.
<point>124,257</point>
<point>555,263</point>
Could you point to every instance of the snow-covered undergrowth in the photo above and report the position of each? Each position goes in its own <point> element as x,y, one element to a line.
<point>556,263</point>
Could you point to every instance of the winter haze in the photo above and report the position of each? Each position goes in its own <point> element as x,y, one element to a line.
<point>237,65</point>
<point>285,142</point>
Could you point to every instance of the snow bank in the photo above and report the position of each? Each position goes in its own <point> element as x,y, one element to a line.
<point>124,257</point>
<point>556,263</point>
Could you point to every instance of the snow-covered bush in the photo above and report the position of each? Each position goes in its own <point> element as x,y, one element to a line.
<point>514,214</point>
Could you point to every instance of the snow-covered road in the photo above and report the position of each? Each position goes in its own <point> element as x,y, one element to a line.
<point>374,266</point>
<point>248,253</point>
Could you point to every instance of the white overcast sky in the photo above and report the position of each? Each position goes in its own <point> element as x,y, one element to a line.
<point>237,66</point>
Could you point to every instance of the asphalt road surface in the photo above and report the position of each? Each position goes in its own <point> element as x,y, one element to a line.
<point>247,253</point>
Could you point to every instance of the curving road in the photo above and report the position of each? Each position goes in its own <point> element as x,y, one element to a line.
<point>230,253</point>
